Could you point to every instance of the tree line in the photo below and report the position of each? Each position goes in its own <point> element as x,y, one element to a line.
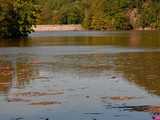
<point>102,14</point>
<point>18,16</point>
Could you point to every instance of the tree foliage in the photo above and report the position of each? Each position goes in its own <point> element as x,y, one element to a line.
<point>17,17</point>
<point>102,14</point>
<point>61,12</point>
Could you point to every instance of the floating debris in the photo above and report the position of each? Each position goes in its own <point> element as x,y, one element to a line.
<point>20,118</point>
<point>30,94</point>
<point>93,113</point>
<point>87,96</point>
<point>113,77</point>
<point>144,108</point>
<point>18,100</point>
<point>45,103</point>
<point>122,98</point>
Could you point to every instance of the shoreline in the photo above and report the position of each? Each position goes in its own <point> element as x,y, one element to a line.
<point>76,27</point>
<point>50,28</point>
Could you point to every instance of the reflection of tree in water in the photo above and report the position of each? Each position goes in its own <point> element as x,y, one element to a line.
<point>5,75</point>
<point>16,42</point>
<point>15,73</point>
<point>134,40</point>
<point>142,69</point>
<point>25,71</point>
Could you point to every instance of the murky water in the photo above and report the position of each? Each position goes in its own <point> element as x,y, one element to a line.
<point>81,76</point>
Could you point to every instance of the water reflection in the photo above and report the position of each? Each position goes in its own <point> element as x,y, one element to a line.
<point>134,39</point>
<point>89,84</point>
<point>142,69</point>
<point>50,80</point>
<point>138,39</point>
<point>5,75</point>
<point>15,73</point>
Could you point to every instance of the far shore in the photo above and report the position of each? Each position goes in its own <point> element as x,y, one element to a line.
<point>73,27</point>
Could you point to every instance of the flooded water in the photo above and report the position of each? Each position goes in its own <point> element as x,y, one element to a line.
<point>81,76</point>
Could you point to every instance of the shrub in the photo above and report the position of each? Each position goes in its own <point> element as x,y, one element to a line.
<point>17,18</point>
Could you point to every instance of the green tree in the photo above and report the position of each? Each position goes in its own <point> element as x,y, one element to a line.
<point>61,12</point>
<point>17,17</point>
<point>150,15</point>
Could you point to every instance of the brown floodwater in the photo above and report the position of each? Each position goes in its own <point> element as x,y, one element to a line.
<point>81,76</point>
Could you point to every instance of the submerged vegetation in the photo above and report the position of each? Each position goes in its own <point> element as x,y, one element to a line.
<point>17,17</point>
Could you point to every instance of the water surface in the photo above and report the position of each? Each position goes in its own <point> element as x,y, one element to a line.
<point>81,76</point>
